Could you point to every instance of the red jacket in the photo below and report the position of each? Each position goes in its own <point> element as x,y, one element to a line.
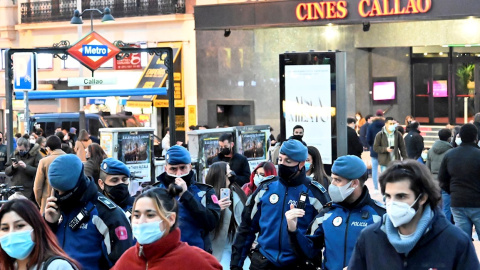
<point>167,253</point>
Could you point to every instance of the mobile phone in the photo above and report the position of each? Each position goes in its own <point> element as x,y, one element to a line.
<point>224,193</point>
<point>302,200</point>
<point>14,160</point>
<point>391,147</point>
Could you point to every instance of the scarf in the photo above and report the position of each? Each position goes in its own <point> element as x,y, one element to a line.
<point>406,245</point>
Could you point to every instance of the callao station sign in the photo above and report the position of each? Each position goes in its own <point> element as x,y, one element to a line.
<point>93,50</point>
<point>365,8</point>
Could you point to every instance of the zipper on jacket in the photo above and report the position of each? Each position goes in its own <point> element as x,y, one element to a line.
<point>141,254</point>
<point>345,243</point>
<point>281,223</point>
<point>64,232</point>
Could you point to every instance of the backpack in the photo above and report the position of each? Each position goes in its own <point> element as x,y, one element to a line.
<point>51,259</point>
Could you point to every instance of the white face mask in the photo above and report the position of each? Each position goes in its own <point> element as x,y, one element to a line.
<point>424,156</point>
<point>257,179</point>
<point>339,194</point>
<point>401,213</point>
<point>458,140</point>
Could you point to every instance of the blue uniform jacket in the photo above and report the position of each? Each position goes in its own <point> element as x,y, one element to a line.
<point>100,241</point>
<point>442,247</point>
<point>265,213</point>
<point>198,214</point>
<point>336,229</point>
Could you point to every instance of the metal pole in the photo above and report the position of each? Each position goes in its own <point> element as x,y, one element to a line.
<point>26,113</point>
<point>8,99</point>
<point>171,96</point>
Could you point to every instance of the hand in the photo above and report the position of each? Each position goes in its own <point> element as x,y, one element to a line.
<point>22,164</point>
<point>52,213</point>
<point>180,182</point>
<point>15,165</point>
<point>292,215</point>
<point>224,203</point>
<point>389,150</point>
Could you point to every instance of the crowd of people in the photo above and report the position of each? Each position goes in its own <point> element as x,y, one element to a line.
<point>288,213</point>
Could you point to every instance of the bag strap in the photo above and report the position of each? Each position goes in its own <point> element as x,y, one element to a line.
<point>53,258</point>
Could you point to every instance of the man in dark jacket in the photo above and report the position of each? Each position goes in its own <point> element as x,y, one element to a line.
<point>355,147</point>
<point>93,230</point>
<point>476,122</point>
<point>459,176</point>
<point>376,126</point>
<point>238,163</point>
<point>414,233</point>
<point>198,213</point>
<point>337,227</point>
<point>363,132</point>
<point>434,160</point>
<point>414,141</point>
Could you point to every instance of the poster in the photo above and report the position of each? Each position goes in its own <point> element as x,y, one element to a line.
<point>210,150</point>
<point>106,141</point>
<point>253,145</point>
<point>133,150</point>
<point>308,103</point>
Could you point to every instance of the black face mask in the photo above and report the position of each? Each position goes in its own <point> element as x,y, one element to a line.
<point>297,137</point>
<point>286,173</point>
<point>117,193</point>
<point>226,151</point>
<point>69,200</point>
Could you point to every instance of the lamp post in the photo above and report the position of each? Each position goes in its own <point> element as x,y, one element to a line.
<point>107,16</point>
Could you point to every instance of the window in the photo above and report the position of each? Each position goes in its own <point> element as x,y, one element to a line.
<point>44,61</point>
<point>144,56</point>
<point>108,64</point>
<point>2,59</point>
<point>70,63</point>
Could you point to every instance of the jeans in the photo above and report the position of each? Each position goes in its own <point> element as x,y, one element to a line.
<point>446,205</point>
<point>382,168</point>
<point>465,218</point>
<point>375,172</point>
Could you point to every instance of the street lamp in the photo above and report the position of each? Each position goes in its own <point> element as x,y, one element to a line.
<point>107,16</point>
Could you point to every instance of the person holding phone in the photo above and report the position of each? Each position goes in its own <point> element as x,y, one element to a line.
<point>389,144</point>
<point>232,201</point>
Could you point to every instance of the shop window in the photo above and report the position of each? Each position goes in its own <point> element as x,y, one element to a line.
<point>2,59</point>
<point>44,61</point>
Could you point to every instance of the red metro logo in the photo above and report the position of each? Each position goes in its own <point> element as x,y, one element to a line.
<point>366,8</point>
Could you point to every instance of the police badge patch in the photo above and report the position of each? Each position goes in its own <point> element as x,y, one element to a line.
<point>274,198</point>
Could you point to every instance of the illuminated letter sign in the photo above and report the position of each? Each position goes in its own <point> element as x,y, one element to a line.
<point>321,10</point>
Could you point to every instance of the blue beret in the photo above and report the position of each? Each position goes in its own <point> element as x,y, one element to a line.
<point>295,150</point>
<point>349,167</point>
<point>64,172</point>
<point>178,155</point>
<point>114,167</point>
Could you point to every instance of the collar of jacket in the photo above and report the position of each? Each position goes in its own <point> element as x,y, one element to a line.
<point>469,144</point>
<point>57,152</point>
<point>159,248</point>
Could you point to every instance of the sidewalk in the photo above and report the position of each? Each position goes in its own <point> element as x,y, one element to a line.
<point>379,197</point>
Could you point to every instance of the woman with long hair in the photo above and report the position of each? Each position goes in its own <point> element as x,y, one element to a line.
<point>81,144</point>
<point>263,169</point>
<point>154,225</point>
<point>221,177</point>
<point>26,240</point>
<point>314,167</point>
<point>94,155</point>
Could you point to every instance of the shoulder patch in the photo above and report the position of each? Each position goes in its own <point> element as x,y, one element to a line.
<point>318,186</point>
<point>379,204</point>
<point>105,201</point>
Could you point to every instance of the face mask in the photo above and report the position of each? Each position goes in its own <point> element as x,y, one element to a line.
<point>307,166</point>
<point>286,172</point>
<point>226,151</point>
<point>401,213</point>
<point>391,128</point>
<point>117,193</point>
<point>22,153</point>
<point>339,194</point>
<point>18,245</point>
<point>147,233</point>
<point>358,117</point>
<point>32,141</point>
<point>257,179</point>
<point>424,156</point>
<point>458,140</point>
<point>297,137</point>
<point>171,177</point>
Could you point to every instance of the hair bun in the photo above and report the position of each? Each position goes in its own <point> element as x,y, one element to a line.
<point>174,190</point>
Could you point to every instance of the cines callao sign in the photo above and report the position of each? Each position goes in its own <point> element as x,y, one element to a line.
<point>366,8</point>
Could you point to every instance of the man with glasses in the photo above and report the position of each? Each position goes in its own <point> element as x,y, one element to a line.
<point>199,212</point>
<point>237,162</point>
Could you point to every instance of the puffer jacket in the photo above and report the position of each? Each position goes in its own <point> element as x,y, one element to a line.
<point>435,156</point>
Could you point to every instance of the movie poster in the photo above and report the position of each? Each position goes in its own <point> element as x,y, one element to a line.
<point>134,151</point>
<point>253,145</point>
<point>210,150</point>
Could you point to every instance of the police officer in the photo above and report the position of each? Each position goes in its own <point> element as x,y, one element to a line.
<point>265,210</point>
<point>92,229</point>
<point>198,213</point>
<point>338,226</point>
<point>114,180</point>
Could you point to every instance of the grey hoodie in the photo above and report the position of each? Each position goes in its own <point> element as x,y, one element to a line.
<point>435,156</point>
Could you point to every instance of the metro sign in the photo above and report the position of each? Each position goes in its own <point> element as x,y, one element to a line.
<point>93,50</point>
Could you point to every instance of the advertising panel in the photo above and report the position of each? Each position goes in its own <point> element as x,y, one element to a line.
<point>133,150</point>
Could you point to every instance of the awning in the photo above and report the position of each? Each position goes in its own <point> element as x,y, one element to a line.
<point>140,101</point>
<point>91,93</point>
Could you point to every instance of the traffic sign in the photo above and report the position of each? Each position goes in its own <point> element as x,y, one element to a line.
<point>82,81</point>
<point>93,50</point>
<point>24,71</point>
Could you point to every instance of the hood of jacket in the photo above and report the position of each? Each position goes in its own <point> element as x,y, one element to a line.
<point>440,147</point>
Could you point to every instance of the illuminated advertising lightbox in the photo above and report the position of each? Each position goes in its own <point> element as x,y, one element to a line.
<point>384,90</point>
<point>440,88</point>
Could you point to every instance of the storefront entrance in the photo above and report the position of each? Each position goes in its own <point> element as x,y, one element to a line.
<point>444,84</point>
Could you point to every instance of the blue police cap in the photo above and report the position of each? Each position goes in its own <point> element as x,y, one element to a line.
<point>114,167</point>
<point>178,155</point>
<point>349,167</point>
<point>64,179</point>
<point>295,150</point>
